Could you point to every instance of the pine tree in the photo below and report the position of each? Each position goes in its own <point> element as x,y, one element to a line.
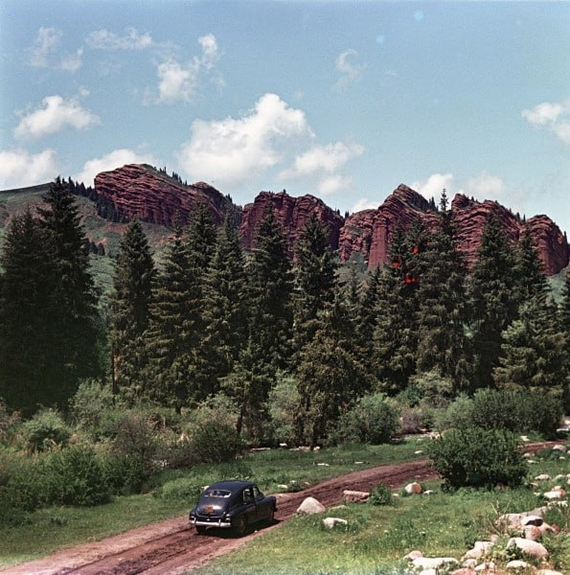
<point>27,374</point>
<point>225,304</point>
<point>529,273</point>
<point>315,278</point>
<point>366,318</point>
<point>533,351</point>
<point>130,309</point>
<point>493,300</point>
<point>564,328</point>
<point>441,316</point>
<point>172,328</point>
<point>76,345</point>
<point>270,287</point>
<point>395,334</point>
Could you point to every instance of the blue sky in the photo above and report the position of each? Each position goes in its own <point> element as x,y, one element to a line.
<point>341,99</point>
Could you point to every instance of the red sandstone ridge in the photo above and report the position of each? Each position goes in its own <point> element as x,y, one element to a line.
<point>551,243</point>
<point>291,213</point>
<point>141,191</point>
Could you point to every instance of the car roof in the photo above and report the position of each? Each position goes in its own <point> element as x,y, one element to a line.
<point>231,485</point>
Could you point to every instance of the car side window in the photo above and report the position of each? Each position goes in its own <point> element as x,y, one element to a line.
<point>256,493</point>
<point>247,495</point>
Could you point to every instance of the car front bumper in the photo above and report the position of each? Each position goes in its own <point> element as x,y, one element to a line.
<point>224,524</point>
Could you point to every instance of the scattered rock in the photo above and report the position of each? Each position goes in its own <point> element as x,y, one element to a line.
<point>485,568</point>
<point>413,488</point>
<point>480,549</point>
<point>532,520</point>
<point>560,447</point>
<point>433,562</point>
<point>532,532</point>
<point>548,572</point>
<point>543,477</point>
<point>311,506</point>
<point>528,547</point>
<point>554,495</point>
<point>518,564</point>
<point>355,496</point>
<point>464,571</point>
<point>413,555</point>
<point>331,522</point>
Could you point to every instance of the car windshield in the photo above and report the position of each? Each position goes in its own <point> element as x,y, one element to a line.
<point>217,493</point>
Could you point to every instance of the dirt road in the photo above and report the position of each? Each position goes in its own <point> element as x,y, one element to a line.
<point>172,547</point>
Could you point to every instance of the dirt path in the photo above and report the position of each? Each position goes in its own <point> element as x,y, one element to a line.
<point>171,547</point>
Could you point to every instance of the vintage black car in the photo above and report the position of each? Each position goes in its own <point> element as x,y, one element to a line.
<point>232,504</point>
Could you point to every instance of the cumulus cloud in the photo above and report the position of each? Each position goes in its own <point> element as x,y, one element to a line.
<point>55,115</point>
<point>434,185</point>
<point>364,204</point>
<point>350,71</point>
<point>44,52</point>
<point>326,163</point>
<point>111,161</point>
<point>553,116</point>
<point>130,40</point>
<point>19,168</point>
<point>485,186</point>
<point>179,81</point>
<point>231,151</point>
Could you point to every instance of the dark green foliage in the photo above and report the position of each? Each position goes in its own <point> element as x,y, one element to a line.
<point>457,415</point>
<point>529,273</point>
<point>373,419</point>
<point>521,412</point>
<point>28,365</point>
<point>92,407</point>
<point>130,309</point>
<point>493,300</point>
<point>381,495</point>
<point>45,431</point>
<point>477,458</point>
<point>215,442</point>
<point>565,330</point>
<point>75,476</point>
<point>441,316</point>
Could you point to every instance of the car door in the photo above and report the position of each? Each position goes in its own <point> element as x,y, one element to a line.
<point>263,509</point>
<point>250,507</point>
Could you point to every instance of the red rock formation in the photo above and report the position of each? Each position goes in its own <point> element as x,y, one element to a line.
<point>141,191</point>
<point>291,213</point>
<point>551,243</point>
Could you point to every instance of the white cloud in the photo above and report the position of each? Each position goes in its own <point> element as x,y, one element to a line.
<point>111,161</point>
<point>553,116</point>
<point>349,71</point>
<point>131,40</point>
<point>485,186</point>
<point>18,168</point>
<point>55,115</point>
<point>434,185</point>
<point>44,52</point>
<point>232,151</point>
<point>326,163</point>
<point>364,204</point>
<point>179,82</point>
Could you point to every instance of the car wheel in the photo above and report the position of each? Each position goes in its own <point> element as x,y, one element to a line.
<point>240,526</point>
<point>201,529</point>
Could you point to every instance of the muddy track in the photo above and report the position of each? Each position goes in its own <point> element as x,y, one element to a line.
<point>172,547</point>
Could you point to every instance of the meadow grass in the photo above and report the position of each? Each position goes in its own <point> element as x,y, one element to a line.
<point>175,491</point>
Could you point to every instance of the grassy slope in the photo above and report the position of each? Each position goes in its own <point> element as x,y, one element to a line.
<point>50,529</point>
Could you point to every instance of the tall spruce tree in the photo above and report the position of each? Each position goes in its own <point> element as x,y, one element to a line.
<point>441,316</point>
<point>172,328</point>
<point>133,279</point>
<point>270,287</point>
<point>533,351</point>
<point>529,272</point>
<point>225,305</point>
<point>493,300</point>
<point>315,278</point>
<point>564,327</point>
<point>75,345</point>
<point>395,333</point>
<point>28,373</point>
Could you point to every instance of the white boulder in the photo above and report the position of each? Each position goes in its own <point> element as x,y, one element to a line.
<point>528,547</point>
<point>311,506</point>
<point>332,522</point>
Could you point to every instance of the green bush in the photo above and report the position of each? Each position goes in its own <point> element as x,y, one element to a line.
<point>92,408</point>
<point>75,476</point>
<point>8,423</point>
<point>517,411</point>
<point>283,403</point>
<point>373,419</point>
<point>181,489</point>
<point>457,415</point>
<point>381,495</point>
<point>45,431</point>
<point>214,442</point>
<point>476,457</point>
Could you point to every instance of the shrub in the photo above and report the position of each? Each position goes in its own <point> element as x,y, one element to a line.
<point>214,442</point>
<point>75,476</point>
<point>181,489</point>
<point>417,419</point>
<point>517,411</point>
<point>92,407</point>
<point>433,389</point>
<point>45,430</point>
<point>8,422</point>
<point>476,457</point>
<point>373,419</point>
<point>283,403</point>
<point>381,495</point>
<point>458,415</point>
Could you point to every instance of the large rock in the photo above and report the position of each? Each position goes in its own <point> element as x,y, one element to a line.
<point>311,506</point>
<point>528,547</point>
<point>332,522</point>
<point>350,496</point>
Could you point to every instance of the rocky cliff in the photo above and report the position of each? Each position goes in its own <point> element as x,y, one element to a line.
<point>143,192</point>
<point>152,196</point>
<point>292,213</point>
